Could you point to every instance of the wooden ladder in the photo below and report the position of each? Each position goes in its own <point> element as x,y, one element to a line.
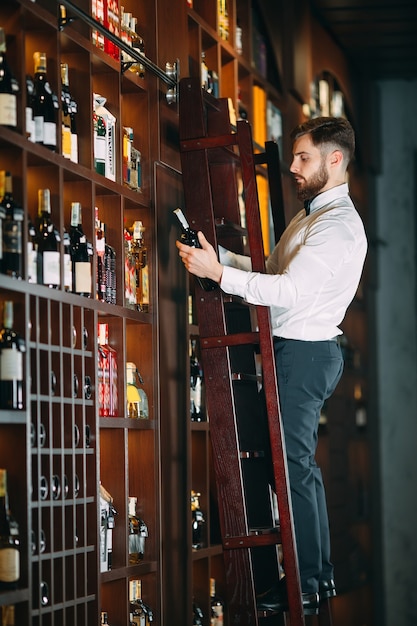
<point>237,354</point>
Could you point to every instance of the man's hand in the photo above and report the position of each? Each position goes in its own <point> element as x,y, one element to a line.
<point>201,262</point>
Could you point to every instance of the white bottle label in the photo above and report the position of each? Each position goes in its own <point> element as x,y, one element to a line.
<point>67,272</point>
<point>32,263</point>
<point>8,115</point>
<point>30,124</point>
<point>83,277</point>
<point>9,565</point>
<point>51,268</point>
<point>38,120</point>
<point>11,364</point>
<point>49,133</point>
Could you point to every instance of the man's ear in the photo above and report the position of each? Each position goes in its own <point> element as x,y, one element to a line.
<point>336,158</point>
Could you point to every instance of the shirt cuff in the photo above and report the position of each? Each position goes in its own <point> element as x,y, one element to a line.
<point>233,281</point>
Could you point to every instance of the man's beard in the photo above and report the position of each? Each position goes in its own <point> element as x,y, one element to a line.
<point>314,185</point>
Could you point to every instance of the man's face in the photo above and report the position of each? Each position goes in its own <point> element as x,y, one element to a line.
<point>309,168</point>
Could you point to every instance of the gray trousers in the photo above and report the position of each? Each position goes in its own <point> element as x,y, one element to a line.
<point>308,372</point>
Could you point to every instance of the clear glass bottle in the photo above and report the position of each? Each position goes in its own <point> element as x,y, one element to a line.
<point>216,605</point>
<point>44,107</point>
<point>190,238</point>
<point>80,253</point>
<point>48,243</point>
<point>138,531</point>
<point>12,347</point>
<point>12,227</point>
<point>9,540</point>
<point>140,254</point>
<point>136,399</point>
<point>9,88</point>
<point>100,246</point>
<point>107,374</point>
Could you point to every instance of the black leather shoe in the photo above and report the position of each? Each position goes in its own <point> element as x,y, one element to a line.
<point>275,600</point>
<point>327,589</point>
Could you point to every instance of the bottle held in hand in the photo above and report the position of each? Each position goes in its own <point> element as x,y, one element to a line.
<point>190,238</point>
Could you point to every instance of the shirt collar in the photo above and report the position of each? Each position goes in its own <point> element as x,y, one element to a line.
<point>329,195</point>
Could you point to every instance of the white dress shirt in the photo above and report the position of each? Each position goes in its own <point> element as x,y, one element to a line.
<point>313,272</point>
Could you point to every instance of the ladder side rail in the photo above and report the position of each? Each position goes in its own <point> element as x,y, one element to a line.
<point>270,382</point>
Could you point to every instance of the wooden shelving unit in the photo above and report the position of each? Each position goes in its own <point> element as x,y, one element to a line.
<point>58,450</point>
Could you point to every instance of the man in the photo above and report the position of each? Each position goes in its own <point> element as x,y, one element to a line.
<point>312,276</point>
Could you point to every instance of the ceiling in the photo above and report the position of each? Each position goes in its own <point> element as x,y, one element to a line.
<point>379,36</point>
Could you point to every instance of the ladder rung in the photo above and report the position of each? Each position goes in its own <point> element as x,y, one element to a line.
<point>235,339</point>
<point>226,228</point>
<point>249,377</point>
<point>203,143</point>
<point>252,454</point>
<point>254,539</point>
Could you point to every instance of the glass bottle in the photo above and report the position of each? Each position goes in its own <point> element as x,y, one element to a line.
<point>9,87</point>
<point>196,384</point>
<point>108,393</point>
<point>198,615</point>
<point>29,114</point>
<point>12,347</point>
<point>140,254</point>
<point>65,112</point>
<point>198,521</point>
<point>44,104</point>
<point>9,540</point>
<point>68,280</point>
<point>138,531</point>
<point>48,241</point>
<point>32,253</point>
<point>136,398</point>
<point>80,253</point>
<point>100,250</point>
<point>2,212</point>
<point>12,262</point>
<point>216,605</point>
<point>99,124</point>
<point>190,238</point>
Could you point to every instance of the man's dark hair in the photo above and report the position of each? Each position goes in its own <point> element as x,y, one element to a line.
<point>330,131</point>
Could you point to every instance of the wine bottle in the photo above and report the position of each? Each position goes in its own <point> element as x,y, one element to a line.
<point>190,238</point>
<point>9,540</point>
<point>196,382</point>
<point>44,107</point>
<point>197,521</point>
<point>32,253</point>
<point>29,114</point>
<point>80,255</point>
<point>140,254</point>
<point>100,250</point>
<point>12,262</point>
<point>12,347</point>
<point>48,241</point>
<point>2,212</point>
<point>216,605</point>
<point>9,87</point>
<point>65,112</point>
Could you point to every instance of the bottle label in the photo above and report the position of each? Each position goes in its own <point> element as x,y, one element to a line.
<point>32,263</point>
<point>83,277</point>
<point>66,142</point>
<point>30,124</point>
<point>11,364</point>
<point>9,565</point>
<point>51,268</point>
<point>8,115</point>
<point>67,272</point>
<point>49,133</point>
<point>12,237</point>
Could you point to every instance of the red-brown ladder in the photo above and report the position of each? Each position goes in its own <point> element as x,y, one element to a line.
<point>218,162</point>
